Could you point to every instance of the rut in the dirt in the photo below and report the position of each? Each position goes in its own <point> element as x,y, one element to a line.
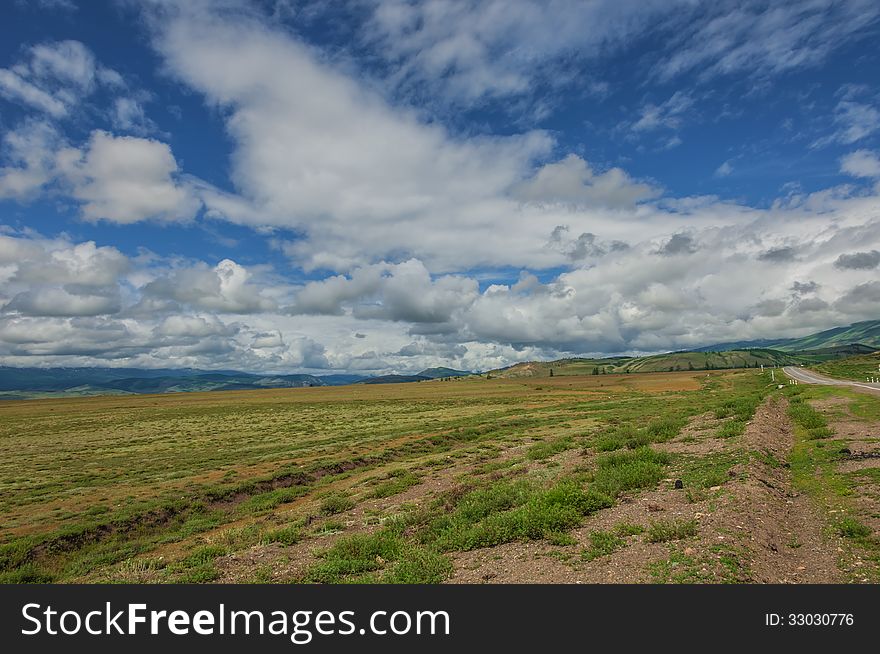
<point>785,538</point>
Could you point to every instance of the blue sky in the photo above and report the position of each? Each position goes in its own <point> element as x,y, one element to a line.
<point>386,185</point>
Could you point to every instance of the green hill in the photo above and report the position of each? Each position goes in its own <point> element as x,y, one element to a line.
<point>677,361</point>
<point>866,333</point>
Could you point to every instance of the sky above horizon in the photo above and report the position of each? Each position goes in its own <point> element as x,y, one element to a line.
<point>383,186</point>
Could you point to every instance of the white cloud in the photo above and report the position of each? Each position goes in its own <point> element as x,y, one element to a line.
<point>14,87</point>
<point>861,163</point>
<point>127,179</point>
<point>225,288</point>
<point>30,151</point>
<point>396,292</point>
<point>55,77</point>
<point>724,169</point>
<point>66,62</point>
<point>854,121</point>
<point>761,39</point>
<point>466,52</point>
<point>128,114</point>
<point>572,181</point>
<point>63,302</point>
<point>478,49</point>
<point>665,115</point>
<point>312,154</point>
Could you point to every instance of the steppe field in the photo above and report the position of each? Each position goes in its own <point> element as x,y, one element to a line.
<point>683,477</point>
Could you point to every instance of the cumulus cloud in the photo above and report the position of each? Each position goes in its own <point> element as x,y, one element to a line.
<point>127,179</point>
<point>64,302</point>
<point>572,181</point>
<point>395,292</point>
<point>310,154</point>
<point>584,246</point>
<point>863,299</point>
<point>227,288</point>
<point>804,288</point>
<point>28,154</point>
<point>861,163</point>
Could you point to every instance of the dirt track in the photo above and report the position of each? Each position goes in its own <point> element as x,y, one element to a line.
<point>753,528</point>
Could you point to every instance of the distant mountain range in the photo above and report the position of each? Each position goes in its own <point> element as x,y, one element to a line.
<point>857,339</point>
<point>19,383</point>
<point>865,333</point>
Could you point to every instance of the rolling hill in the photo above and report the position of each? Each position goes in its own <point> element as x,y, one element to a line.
<point>677,361</point>
<point>866,333</point>
<point>54,382</point>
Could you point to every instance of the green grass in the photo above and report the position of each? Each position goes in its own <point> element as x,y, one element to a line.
<point>849,527</point>
<point>286,536</point>
<point>814,464</point>
<point>856,368</point>
<point>382,557</point>
<point>732,428</point>
<point>336,503</point>
<point>664,531</point>
<point>658,430</point>
<point>619,472</point>
<point>620,437</point>
<point>508,512</point>
<point>602,543</point>
<point>395,482</point>
<point>700,473</point>
<point>548,448</point>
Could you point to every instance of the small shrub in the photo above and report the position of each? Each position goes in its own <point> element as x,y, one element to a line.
<point>25,574</point>
<point>623,471</point>
<point>351,558</point>
<point>561,539</point>
<point>546,449</point>
<point>285,536</point>
<point>531,514</point>
<point>624,529</point>
<point>602,543</point>
<point>852,528</point>
<point>732,428</point>
<point>667,530</point>
<point>419,565</point>
<point>664,429</point>
<point>396,482</point>
<point>201,556</point>
<point>336,503</point>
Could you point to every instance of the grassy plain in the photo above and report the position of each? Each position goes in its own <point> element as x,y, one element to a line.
<point>346,484</point>
<point>855,368</point>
